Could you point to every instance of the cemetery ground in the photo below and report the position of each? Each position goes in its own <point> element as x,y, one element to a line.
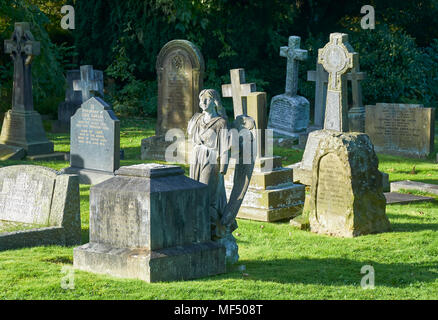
<point>276,261</point>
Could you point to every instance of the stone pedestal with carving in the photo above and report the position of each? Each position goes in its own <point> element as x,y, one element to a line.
<point>271,195</point>
<point>150,222</point>
<point>346,195</point>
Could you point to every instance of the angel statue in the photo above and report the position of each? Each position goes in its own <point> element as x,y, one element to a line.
<point>212,143</point>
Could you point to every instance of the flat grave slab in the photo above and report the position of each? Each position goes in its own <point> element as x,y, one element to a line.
<point>404,198</point>
<point>414,185</point>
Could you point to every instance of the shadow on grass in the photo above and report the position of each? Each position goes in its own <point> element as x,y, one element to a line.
<point>334,272</point>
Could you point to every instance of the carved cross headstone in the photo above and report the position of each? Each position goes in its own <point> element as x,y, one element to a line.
<point>293,53</point>
<point>238,90</point>
<point>320,77</point>
<point>355,76</point>
<point>337,58</point>
<point>22,47</point>
<point>87,83</point>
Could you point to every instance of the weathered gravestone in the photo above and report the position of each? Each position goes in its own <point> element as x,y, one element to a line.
<point>73,98</point>
<point>94,142</point>
<point>346,187</point>
<point>38,206</point>
<point>289,113</point>
<point>150,222</point>
<point>401,129</point>
<point>271,195</point>
<point>320,77</point>
<point>22,125</point>
<point>180,71</point>
<point>356,114</point>
<point>346,197</point>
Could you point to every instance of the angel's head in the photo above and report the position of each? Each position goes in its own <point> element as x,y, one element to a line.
<point>210,101</point>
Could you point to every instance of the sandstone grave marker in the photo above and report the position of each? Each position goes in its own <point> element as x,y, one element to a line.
<point>180,70</point>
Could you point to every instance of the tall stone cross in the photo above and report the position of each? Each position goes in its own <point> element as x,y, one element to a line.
<point>355,76</point>
<point>87,83</point>
<point>238,90</point>
<point>22,47</point>
<point>293,53</point>
<point>337,58</point>
<point>320,77</point>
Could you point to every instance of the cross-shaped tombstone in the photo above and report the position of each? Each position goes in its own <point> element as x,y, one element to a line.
<point>238,90</point>
<point>320,77</point>
<point>87,83</point>
<point>336,58</point>
<point>355,76</point>
<point>293,53</point>
<point>22,47</point>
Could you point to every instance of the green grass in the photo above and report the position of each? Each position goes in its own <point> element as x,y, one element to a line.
<point>280,262</point>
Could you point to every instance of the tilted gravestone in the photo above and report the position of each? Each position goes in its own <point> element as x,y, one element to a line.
<point>94,142</point>
<point>150,222</point>
<point>22,125</point>
<point>346,186</point>
<point>180,71</point>
<point>38,206</point>
<point>289,113</point>
<point>73,98</point>
<point>401,129</point>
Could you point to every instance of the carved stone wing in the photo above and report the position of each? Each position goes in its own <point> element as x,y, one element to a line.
<point>243,169</point>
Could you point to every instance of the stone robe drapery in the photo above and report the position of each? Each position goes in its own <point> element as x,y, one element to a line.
<point>209,160</point>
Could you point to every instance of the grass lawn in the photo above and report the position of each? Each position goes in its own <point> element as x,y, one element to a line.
<point>279,262</point>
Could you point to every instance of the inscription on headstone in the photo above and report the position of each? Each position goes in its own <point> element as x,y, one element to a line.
<point>398,129</point>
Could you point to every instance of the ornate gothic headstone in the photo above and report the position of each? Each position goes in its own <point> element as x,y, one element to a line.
<point>180,71</point>
<point>22,125</point>
<point>289,114</point>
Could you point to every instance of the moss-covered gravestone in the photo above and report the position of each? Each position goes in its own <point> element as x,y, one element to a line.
<point>346,195</point>
<point>38,206</point>
<point>150,222</point>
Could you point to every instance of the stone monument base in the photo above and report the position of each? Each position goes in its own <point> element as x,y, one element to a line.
<point>11,152</point>
<point>25,130</point>
<point>171,264</point>
<point>272,195</point>
<point>154,148</point>
<point>289,115</point>
<point>346,197</point>
<point>88,176</point>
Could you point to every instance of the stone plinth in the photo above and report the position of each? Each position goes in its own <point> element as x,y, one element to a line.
<point>150,222</point>
<point>25,130</point>
<point>347,197</point>
<point>38,206</point>
<point>271,195</point>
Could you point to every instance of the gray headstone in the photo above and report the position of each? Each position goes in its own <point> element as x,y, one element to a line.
<point>150,222</point>
<point>289,113</point>
<point>42,198</point>
<point>94,139</point>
